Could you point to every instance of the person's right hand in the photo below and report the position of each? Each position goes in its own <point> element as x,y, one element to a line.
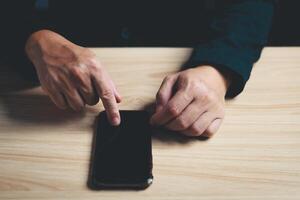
<point>71,75</point>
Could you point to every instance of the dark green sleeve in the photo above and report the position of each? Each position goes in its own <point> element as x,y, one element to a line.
<point>239,32</point>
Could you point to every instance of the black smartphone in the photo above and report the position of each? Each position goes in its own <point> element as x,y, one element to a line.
<point>122,155</point>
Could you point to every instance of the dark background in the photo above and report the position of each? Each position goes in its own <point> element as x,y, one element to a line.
<point>286,24</point>
<point>285,28</point>
<point>285,31</point>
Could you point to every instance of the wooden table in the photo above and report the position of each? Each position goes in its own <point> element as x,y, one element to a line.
<point>45,152</point>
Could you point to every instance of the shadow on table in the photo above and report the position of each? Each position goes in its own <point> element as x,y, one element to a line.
<point>36,109</point>
<point>11,79</point>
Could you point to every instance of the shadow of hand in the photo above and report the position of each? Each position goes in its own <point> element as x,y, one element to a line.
<point>35,109</point>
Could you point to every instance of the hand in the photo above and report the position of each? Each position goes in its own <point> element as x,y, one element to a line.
<point>71,75</point>
<point>192,101</point>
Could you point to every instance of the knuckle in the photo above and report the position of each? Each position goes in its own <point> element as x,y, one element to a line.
<point>198,87</point>
<point>187,96</point>
<point>114,114</point>
<point>77,72</point>
<point>94,64</point>
<point>204,95</point>
<point>173,110</point>
<point>194,85</point>
<point>106,94</point>
<point>182,123</point>
<point>197,129</point>
<point>194,130</point>
<point>93,67</point>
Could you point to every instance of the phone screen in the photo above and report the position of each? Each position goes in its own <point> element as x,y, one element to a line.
<point>122,155</point>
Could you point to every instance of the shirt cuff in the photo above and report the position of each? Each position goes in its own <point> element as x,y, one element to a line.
<point>227,60</point>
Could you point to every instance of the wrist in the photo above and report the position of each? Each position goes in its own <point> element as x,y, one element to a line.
<point>46,43</point>
<point>219,80</point>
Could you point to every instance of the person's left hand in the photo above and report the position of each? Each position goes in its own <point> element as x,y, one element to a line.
<point>192,101</point>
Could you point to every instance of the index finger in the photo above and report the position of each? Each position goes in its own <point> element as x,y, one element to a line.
<point>165,92</point>
<point>173,108</point>
<point>106,93</point>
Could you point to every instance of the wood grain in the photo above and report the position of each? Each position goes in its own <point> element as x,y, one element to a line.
<point>45,152</point>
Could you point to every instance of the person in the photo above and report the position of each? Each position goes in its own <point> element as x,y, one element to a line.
<point>227,37</point>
